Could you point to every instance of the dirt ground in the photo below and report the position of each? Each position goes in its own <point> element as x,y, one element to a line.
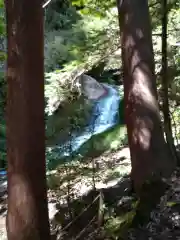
<point>74,220</point>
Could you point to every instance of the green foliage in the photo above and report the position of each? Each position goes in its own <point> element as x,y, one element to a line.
<point>60,14</point>
<point>2,18</point>
<point>81,36</point>
<point>75,50</point>
<point>92,39</point>
<point>92,7</point>
<point>88,43</point>
<point>2,32</point>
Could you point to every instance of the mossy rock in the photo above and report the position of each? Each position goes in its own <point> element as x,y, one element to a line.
<point>109,140</point>
<point>117,227</point>
<point>68,118</point>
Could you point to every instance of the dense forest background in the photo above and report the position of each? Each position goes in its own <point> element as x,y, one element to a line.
<point>83,37</point>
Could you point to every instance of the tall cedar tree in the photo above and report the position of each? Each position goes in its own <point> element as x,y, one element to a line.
<point>27,217</point>
<point>149,154</point>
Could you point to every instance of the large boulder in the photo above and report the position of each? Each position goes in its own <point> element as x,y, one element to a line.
<point>91,88</point>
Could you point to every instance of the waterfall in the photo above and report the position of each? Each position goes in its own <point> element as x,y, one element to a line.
<point>105,114</point>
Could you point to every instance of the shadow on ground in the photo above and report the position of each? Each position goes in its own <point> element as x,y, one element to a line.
<point>116,213</point>
<point>84,217</point>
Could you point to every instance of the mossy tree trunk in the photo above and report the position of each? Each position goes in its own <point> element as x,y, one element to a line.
<point>27,217</point>
<point>149,155</point>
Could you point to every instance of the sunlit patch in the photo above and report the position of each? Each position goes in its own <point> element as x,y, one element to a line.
<point>139,33</point>
<point>20,189</point>
<point>11,73</point>
<point>142,91</point>
<point>144,138</point>
<point>142,133</point>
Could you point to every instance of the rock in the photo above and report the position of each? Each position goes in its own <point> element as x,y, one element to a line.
<point>91,88</point>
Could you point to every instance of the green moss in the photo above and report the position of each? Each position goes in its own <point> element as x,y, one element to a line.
<point>110,140</point>
<point>117,227</point>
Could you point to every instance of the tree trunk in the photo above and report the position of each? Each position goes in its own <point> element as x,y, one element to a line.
<point>27,217</point>
<point>149,155</point>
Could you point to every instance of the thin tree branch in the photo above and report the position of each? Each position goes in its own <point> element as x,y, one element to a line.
<point>46,3</point>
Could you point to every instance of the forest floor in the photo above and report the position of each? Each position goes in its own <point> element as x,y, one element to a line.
<point>121,217</point>
<point>93,200</point>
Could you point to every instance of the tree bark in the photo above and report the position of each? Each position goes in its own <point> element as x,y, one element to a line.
<point>149,155</point>
<point>27,217</point>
